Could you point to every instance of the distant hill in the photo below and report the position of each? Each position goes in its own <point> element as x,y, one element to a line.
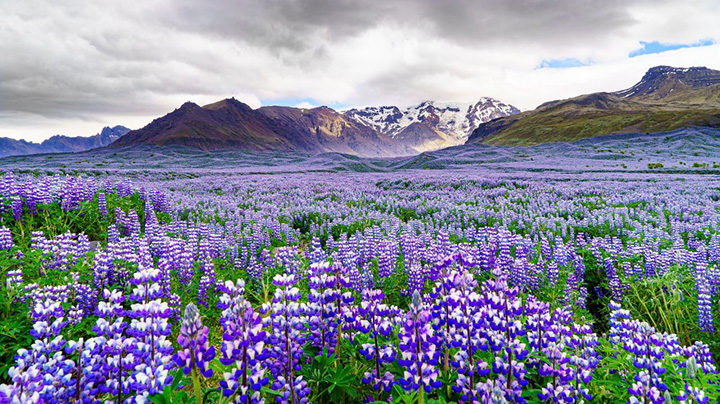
<point>372,132</point>
<point>684,151</point>
<point>666,98</point>
<point>61,143</point>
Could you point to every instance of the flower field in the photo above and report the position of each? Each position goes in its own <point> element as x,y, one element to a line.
<point>415,287</point>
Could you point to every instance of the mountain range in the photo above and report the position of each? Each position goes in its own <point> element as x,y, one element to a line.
<point>431,125</point>
<point>666,98</point>
<point>371,131</point>
<point>61,143</point>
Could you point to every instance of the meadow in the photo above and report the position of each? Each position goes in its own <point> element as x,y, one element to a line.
<point>417,286</point>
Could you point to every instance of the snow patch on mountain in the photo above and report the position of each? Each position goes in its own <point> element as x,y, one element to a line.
<point>457,120</point>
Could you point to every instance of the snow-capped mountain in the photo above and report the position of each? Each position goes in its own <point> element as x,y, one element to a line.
<point>454,121</point>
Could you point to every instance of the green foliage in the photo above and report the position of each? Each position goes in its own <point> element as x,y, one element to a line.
<point>669,303</point>
<point>172,394</point>
<point>331,381</point>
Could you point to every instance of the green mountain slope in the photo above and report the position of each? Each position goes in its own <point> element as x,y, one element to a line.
<point>665,99</point>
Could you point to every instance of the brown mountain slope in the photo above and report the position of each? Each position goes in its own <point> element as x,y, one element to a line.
<point>230,124</point>
<point>225,124</point>
<point>324,129</point>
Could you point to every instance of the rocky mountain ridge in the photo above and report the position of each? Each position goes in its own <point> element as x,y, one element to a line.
<point>61,143</point>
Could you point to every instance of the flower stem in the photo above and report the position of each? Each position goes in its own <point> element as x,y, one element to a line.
<point>196,385</point>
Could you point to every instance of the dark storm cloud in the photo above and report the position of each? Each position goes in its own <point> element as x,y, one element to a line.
<point>292,25</point>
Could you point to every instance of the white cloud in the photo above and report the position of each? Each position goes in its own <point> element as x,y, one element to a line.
<point>77,66</point>
<point>305,105</point>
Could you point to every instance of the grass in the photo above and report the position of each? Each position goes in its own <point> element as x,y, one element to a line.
<point>542,127</point>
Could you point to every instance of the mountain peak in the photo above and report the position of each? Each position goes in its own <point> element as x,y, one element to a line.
<point>661,81</point>
<point>450,122</point>
<point>669,69</point>
<point>62,143</point>
<point>227,103</point>
<point>187,106</point>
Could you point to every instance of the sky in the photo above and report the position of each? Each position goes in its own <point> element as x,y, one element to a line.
<point>73,66</point>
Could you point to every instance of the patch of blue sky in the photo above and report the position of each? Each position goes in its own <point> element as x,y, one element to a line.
<point>561,63</point>
<point>657,47</point>
<point>291,102</point>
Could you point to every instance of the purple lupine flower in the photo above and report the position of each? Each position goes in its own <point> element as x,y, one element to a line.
<point>317,254</point>
<point>243,350</point>
<point>113,234</point>
<point>343,302</point>
<point>705,316</point>
<point>582,297</point>
<point>647,349</point>
<point>693,395</point>
<point>287,339</point>
<point>287,257</point>
<point>386,260</point>
<point>230,291</point>
<point>48,319</point>
<point>185,269</point>
<point>619,318</point>
<point>552,273</point>
<point>468,335</point>
<point>151,329</point>
<point>545,249</point>
<point>165,268</point>
<point>356,279</point>
<point>416,278</point>
<point>583,360</point>
<point>14,280</point>
<point>418,349</point>
<point>700,353</point>
<point>537,326</point>
<point>614,283</point>
<point>557,364</point>
<point>195,353</point>
<point>16,206</point>
<point>54,370</point>
<point>108,361</point>
<point>256,270</point>
<point>321,309</point>
<point>153,348</point>
<point>374,321</point>
<point>443,304</point>
<point>132,223</point>
<point>6,241</point>
<point>175,304</point>
<point>102,204</point>
<point>207,282</point>
<point>504,309</point>
<point>86,298</point>
<point>558,390</point>
<point>647,346</point>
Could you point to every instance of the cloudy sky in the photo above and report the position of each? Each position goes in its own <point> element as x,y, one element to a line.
<point>72,67</point>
